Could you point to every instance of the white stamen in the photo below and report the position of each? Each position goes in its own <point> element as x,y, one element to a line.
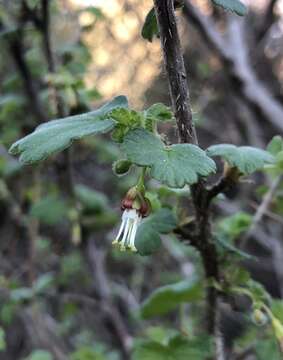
<point>128,229</point>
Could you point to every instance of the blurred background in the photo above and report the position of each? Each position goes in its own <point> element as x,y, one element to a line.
<point>65,293</point>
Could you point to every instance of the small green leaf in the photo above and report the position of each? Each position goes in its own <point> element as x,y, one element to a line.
<point>121,167</point>
<point>94,10</point>
<point>40,355</point>
<point>159,112</point>
<point>235,6</point>
<point>258,291</point>
<point>147,239</point>
<point>44,282</point>
<point>177,348</point>
<point>227,245</point>
<point>156,113</point>
<point>57,135</point>
<point>234,225</point>
<point>275,145</point>
<point>150,27</point>
<point>126,120</point>
<point>168,297</point>
<point>174,165</point>
<point>162,221</point>
<point>246,158</point>
<point>126,117</point>
<point>21,294</point>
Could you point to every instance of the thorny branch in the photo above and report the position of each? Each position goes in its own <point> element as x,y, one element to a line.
<point>202,197</point>
<point>176,71</point>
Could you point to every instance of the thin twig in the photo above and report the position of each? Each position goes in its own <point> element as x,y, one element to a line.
<point>96,259</point>
<point>267,199</point>
<point>234,54</point>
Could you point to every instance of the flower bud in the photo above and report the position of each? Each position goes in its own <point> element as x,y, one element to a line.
<point>121,167</point>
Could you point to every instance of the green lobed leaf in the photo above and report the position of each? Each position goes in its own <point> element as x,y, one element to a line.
<point>174,165</point>
<point>246,158</point>
<point>150,27</point>
<point>147,238</point>
<point>178,348</point>
<point>235,6</point>
<point>168,297</point>
<point>159,112</point>
<point>57,135</point>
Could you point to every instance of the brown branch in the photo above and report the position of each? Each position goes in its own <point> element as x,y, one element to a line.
<point>179,93</point>
<point>64,168</point>
<point>45,30</point>
<point>17,52</point>
<point>175,69</point>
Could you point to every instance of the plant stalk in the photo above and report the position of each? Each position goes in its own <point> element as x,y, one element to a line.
<point>179,93</point>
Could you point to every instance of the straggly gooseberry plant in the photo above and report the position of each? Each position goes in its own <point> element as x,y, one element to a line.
<point>172,166</point>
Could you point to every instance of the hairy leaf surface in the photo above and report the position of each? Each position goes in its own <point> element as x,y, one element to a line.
<point>246,158</point>
<point>57,135</point>
<point>174,165</point>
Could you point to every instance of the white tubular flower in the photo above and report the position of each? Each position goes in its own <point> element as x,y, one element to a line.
<point>125,239</point>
